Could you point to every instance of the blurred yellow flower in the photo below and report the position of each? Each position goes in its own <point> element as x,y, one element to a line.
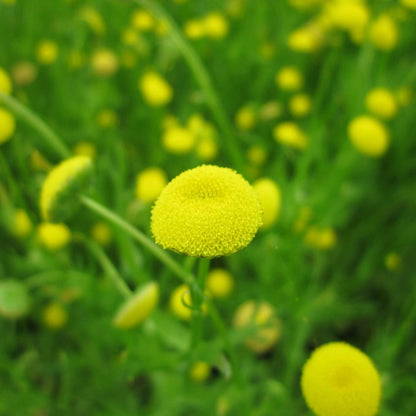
<point>155,90</point>
<point>384,33</point>
<point>306,39</point>
<point>411,4</point>
<point>22,225</point>
<point>178,140</point>
<point>392,261</point>
<point>208,211</point>
<point>93,19</point>
<point>5,82</point>
<point>101,233</point>
<point>270,197</point>
<point>199,371</point>
<point>340,380</point>
<point>256,155</point>
<point>245,118</point>
<point>290,134</point>
<point>194,29</point>
<point>180,303</point>
<point>219,283</point>
<point>215,25</point>
<point>55,316</point>
<point>369,136</point>
<point>300,105</point>
<point>381,102</point>
<point>289,78</point>
<point>142,20</point>
<point>149,183</point>
<point>138,307</point>
<point>104,63</point>
<point>320,238</point>
<point>85,149</point>
<point>47,52</point>
<point>7,125</point>
<point>53,236</point>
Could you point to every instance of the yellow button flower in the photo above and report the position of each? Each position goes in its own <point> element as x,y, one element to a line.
<point>55,316</point>
<point>306,39</point>
<point>340,380</point>
<point>149,184</point>
<point>104,63</point>
<point>155,90</point>
<point>215,26</point>
<point>47,52</point>
<point>61,186</point>
<point>300,105</point>
<point>208,211</point>
<point>384,33</point>
<point>381,102</point>
<point>219,283</point>
<point>142,20</point>
<point>22,226</point>
<point>320,238</point>
<point>245,118</point>
<point>178,140</point>
<point>5,82</point>
<point>136,309</point>
<point>180,303</point>
<point>270,197</point>
<point>289,78</point>
<point>7,125</point>
<point>290,134</point>
<point>53,236</point>
<point>368,136</point>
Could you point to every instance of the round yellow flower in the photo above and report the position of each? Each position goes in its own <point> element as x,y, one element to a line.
<point>104,62</point>
<point>368,136</point>
<point>155,90</point>
<point>85,149</point>
<point>55,316</point>
<point>47,52</point>
<point>289,79</point>
<point>7,125</point>
<point>340,380</point>
<point>142,20</point>
<point>136,309</point>
<point>149,183</point>
<point>215,26</point>
<point>14,299</point>
<point>306,39</point>
<point>300,105</point>
<point>22,226</point>
<point>180,303</point>
<point>208,211</point>
<point>320,238</point>
<point>5,82</point>
<point>194,29</point>
<point>382,103</point>
<point>290,134</point>
<point>53,236</point>
<point>178,140</point>
<point>200,371</point>
<point>270,197</point>
<point>267,327</point>
<point>61,185</point>
<point>219,283</point>
<point>384,33</point>
<point>245,119</point>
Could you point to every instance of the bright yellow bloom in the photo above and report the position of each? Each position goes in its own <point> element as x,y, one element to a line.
<point>219,283</point>
<point>411,4</point>
<point>200,371</point>
<point>215,25</point>
<point>178,140</point>
<point>155,90</point>
<point>267,326</point>
<point>245,119</point>
<point>104,63</point>
<point>23,73</point>
<point>194,29</point>
<point>137,308</point>
<point>14,299</point>
<point>300,105</point>
<point>208,211</point>
<point>306,39</point>
<point>340,380</point>
<point>7,125</point>
<point>55,316</point>
<point>142,20</point>
<point>85,149</point>
<point>384,33</point>
<point>320,238</point>
<point>180,303</point>
<point>149,183</point>
<point>61,186</point>
<point>47,52</point>
<point>368,136</point>
<point>101,233</point>
<point>289,79</point>
<point>5,82</point>
<point>22,226</point>
<point>270,197</point>
<point>290,134</point>
<point>53,236</point>
<point>381,102</point>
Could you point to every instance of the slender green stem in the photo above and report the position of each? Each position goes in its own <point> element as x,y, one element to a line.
<point>39,125</point>
<point>203,78</point>
<point>140,237</point>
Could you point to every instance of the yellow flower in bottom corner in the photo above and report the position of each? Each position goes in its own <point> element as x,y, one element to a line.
<point>208,211</point>
<point>340,380</point>
<point>136,309</point>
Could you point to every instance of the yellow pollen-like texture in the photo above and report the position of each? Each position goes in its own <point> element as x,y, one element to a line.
<point>340,380</point>
<point>208,211</point>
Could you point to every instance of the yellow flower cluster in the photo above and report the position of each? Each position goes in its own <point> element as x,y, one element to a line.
<point>213,25</point>
<point>208,211</point>
<point>5,82</point>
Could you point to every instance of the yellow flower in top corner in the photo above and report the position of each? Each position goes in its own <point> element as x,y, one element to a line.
<point>340,380</point>
<point>155,90</point>
<point>5,82</point>
<point>208,211</point>
<point>61,186</point>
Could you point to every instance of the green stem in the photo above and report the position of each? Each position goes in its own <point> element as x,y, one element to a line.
<point>33,120</point>
<point>203,78</point>
<point>140,237</point>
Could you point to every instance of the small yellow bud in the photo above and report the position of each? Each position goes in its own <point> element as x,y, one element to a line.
<point>150,183</point>
<point>300,105</point>
<point>53,236</point>
<point>320,238</point>
<point>47,52</point>
<point>290,134</point>
<point>180,303</point>
<point>104,63</point>
<point>381,102</point>
<point>155,90</point>
<point>384,33</point>
<point>219,283</point>
<point>85,149</point>
<point>7,125</point>
<point>200,371</point>
<point>178,140</point>
<point>245,119</point>
<point>392,261</point>
<point>215,26</point>
<point>101,233</point>
<point>289,79</point>
<point>22,226</point>
<point>142,20</point>
<point>93,19</point>
<point>5,82</point>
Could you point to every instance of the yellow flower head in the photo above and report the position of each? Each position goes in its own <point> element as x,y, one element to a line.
<point>14,299</point>
<point>93,19</point>
<point>5,82</point>
<point>245,119</point>
<point>85,149</point>
<point>383,33</point>
<point>381,102</point>
<point>136,309</point>
<point>55,316</point>
<point>101,233</point>
<point>219,283</point>
<point>300,105</point>
<point>340,380</point>
<point>306,39</point>
<point>22,226</point>
<point>155,90</point>
<point>180,303</point>
<point>47,52</point>
<point>215,26</point>
<point>53,236</point>
<point>104,63</point>
<point>149,183</point>
<point>290,134</point>
<point>7,125</point>
<point>320,238</point>
<point>178,140</point>
<point>350,15</point>
<point>267,327</point>
<point>208,211</point>
<point>194,29</point>
<point>61,185</point>
<point>269,195</point>
<point>142,20</point>
<point>200,371</point>
<point>368,136</point>
<point>289,78</point>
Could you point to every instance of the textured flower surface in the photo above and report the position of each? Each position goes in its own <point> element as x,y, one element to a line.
<point>340,380</point>
<point>60,186</point>
<point>208,211</point>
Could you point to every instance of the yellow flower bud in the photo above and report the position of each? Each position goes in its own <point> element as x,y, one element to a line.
<point>300,105</point>
<point>208,211</point>
<point>339,380</point>
<point>7,125</point>
<point>85,149</point>
<point>101,233</point>
<point>256,155</point>
<point>22,226</point>
<point>178,140</point>
<point>200,371</point>
<point>381,102</point>
<point>320,238</point>
<point>368,136</point>
<point>245,119</point>
<point>53,236</point>
<point>104,63</point>
<point>155,90</point>
<point>194,29</point>
<point>215,26</point>
<point>289,79</point>
<point>55,316</point>
<point>149,184</point>
<point>5,82</point>
<point>384,33</point>
<point>392,261</point>
<point>142,20</point>
<point>47,52</point>
<point>219,283</point>
<point>137,308</point>
<point>269,195</point>
<point>180,303</point>
<point>61,186</point>
<point>290,134</point>
<point>306,39</point>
